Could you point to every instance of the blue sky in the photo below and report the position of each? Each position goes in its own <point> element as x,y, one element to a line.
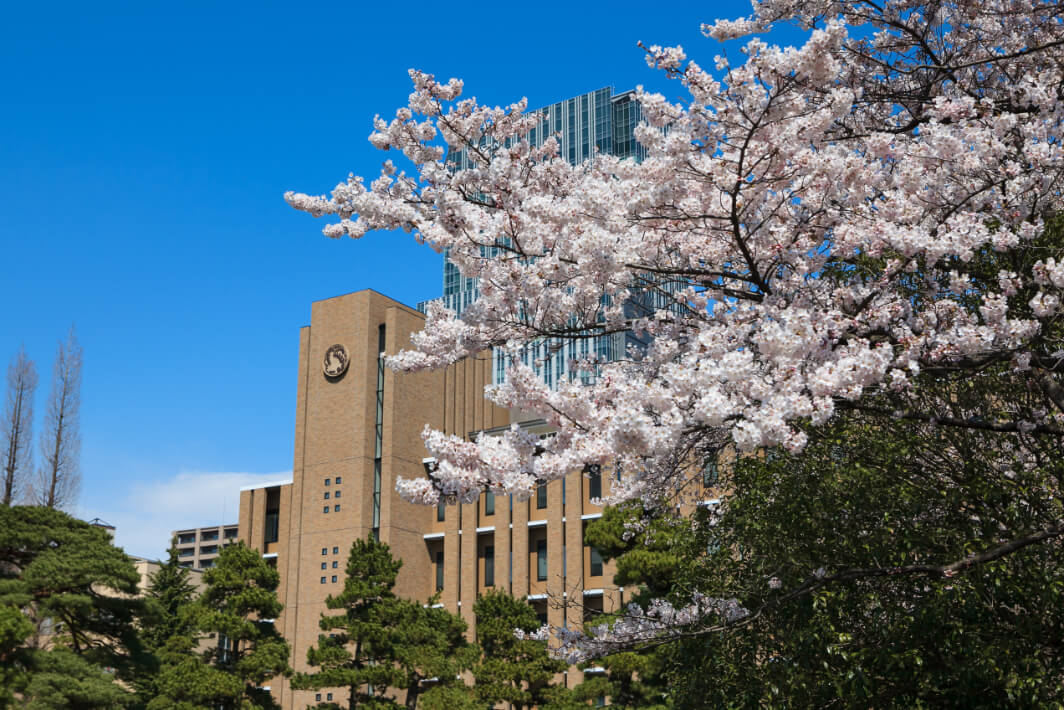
<point>144,151</point>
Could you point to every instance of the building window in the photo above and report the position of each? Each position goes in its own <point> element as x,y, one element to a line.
<point>335,564</point>
<point>186,539</point>
<point>336,508</point>
<point>187,553</point>
<point>273,515</point>
<point>231,534</point>
<point>325,509</point>
<point>339,480</point>
<point>439,570</point>
<point>336,550</point>
<point>326,495</point>
<point>489,565</point>
<point>208,549</point>
<point>541,560</point>
<point>596,563</point>
<point>324,550</point>
<point>328,481</point>
<point>317,697</point>
<point>334,578</point>
<point>594,487</point>
<point>209,536</point>
<point>328,696</point>
<point>541,496</point>
<point>489,503</point>
<point>440,514</point>
<point>323,580</point>
<point>710,474</point>
<point>336,495</point>
<point>324,565</point>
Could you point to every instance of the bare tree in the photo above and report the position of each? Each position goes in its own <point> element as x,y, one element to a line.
<point>16,427</point>
<point>59,477</point>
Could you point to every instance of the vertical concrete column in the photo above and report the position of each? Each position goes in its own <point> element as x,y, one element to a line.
<point>519,544</point>
<point>247,513</point>
<point>574,550</point>
<point>467,582</point>
<point>503,548</point>
<point>556,567</point>
<point>451,559</point>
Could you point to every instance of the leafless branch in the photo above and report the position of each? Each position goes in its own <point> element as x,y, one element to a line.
<point>59,477</point>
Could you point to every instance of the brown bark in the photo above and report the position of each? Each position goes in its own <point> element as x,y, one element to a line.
<point>16,428</point>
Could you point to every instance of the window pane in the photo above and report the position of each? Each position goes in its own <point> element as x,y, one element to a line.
<point>272,523</point>
<point>489,565</point>
<point>594,481</point>
<point>541,496</point>
<point>541,560</point>
<point>489,503</point>
<point>710,474</point>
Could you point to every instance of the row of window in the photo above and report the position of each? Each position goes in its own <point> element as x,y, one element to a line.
<point>205,536</point>
<point>594,491</point>
<point>333,579</point>
<point>339,480</point>
<point>336,508</point>
<point>595,564</point>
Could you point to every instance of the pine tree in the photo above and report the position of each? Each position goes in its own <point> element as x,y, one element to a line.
<point>516,671</point>
<point>170,592</point>
<point>167,631</point>
<point>68,612</point>
<point>379,641</point>
<point>237,608</point>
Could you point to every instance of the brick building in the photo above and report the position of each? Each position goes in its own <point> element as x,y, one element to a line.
<point>359,428</point>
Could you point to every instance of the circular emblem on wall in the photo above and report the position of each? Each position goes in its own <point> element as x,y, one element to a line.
<point>336,359</point>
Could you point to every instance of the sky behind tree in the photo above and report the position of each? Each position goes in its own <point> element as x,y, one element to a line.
<point>144,151</point>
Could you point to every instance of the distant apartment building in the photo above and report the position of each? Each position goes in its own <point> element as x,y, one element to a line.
<point>197,548</point>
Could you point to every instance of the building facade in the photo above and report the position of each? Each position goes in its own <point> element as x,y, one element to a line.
<point>197,548</point>
<point>358,428</point>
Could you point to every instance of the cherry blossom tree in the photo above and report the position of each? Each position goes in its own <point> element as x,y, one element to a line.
<point>807,219</point>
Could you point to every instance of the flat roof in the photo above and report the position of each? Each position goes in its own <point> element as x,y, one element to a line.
<point>268,484</point>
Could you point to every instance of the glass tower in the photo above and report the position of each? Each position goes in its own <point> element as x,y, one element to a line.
<point>596,122</point>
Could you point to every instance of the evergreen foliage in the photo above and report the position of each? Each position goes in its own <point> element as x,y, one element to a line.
<point>68,609</point>
<point>379,641</point>
<point>237,609</point>
<point>167,624</point>
<point>512,670</point>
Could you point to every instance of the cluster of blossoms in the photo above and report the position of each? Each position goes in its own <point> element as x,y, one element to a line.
<point>638,625</point>
<point>814,213</point>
